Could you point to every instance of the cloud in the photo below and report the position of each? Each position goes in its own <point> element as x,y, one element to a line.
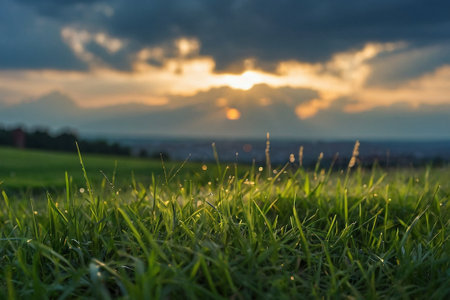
<point>70,10</point>
<point>430,89</point>
<point>97,50</point>
<point>397,67</point>
<point>187,75</point>
<point>377,53</point>
<point>28,41</point>
<point>199,116</point>
<point>269,32</point>
<point>345,75</point>
<point>399,121</point>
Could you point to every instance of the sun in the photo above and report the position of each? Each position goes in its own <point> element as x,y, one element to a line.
<point>244,81</point>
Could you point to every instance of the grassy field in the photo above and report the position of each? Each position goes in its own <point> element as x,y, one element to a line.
<point>225,232</point>
<point>22,170</point>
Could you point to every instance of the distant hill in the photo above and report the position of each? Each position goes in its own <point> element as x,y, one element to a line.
<point>262,109</point>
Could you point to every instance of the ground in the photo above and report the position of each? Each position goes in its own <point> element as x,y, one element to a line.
<point>177,230</point>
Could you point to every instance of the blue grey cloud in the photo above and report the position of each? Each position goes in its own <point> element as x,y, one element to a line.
<point>391,69</point>
<point>270,31</point>
<point>28,41</point>
<point>231,31</point>
<point>187,116</point>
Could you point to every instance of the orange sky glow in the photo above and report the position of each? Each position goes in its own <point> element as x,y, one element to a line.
<point>344,75</point>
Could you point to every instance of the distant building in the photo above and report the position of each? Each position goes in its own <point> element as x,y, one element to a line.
<point>19,138</point>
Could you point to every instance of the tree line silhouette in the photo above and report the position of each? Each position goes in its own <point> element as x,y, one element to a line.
<point>64,141</point>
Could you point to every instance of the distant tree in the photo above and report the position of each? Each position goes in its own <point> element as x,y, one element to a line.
<point>143,153</point>
<point>64,141</point>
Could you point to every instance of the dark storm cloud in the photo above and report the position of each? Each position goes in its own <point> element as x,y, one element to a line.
<point>119,60</point>
<point>57,8</point>
<point>270,31</point>
<point>266,30</point>
<point>29,42</point>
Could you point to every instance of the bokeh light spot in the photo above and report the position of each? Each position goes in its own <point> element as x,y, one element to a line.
<point>233,114</point>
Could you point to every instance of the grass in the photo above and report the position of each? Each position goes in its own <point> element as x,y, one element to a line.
<point>22,170</point>
<point>229,233</point>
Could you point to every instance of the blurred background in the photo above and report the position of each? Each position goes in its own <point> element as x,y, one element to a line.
<point>172,77</point>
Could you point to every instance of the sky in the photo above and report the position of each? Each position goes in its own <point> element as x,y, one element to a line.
<point>300,69</point>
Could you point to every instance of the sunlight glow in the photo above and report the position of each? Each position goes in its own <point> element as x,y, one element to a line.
<point>221,102</point>
<point>264,101</point>
<point>244,81</point>
<point>343,76</point>
<point>77,40</point>
<point>187,46</point>
<point>309,109</point>
<point>429,89</point>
